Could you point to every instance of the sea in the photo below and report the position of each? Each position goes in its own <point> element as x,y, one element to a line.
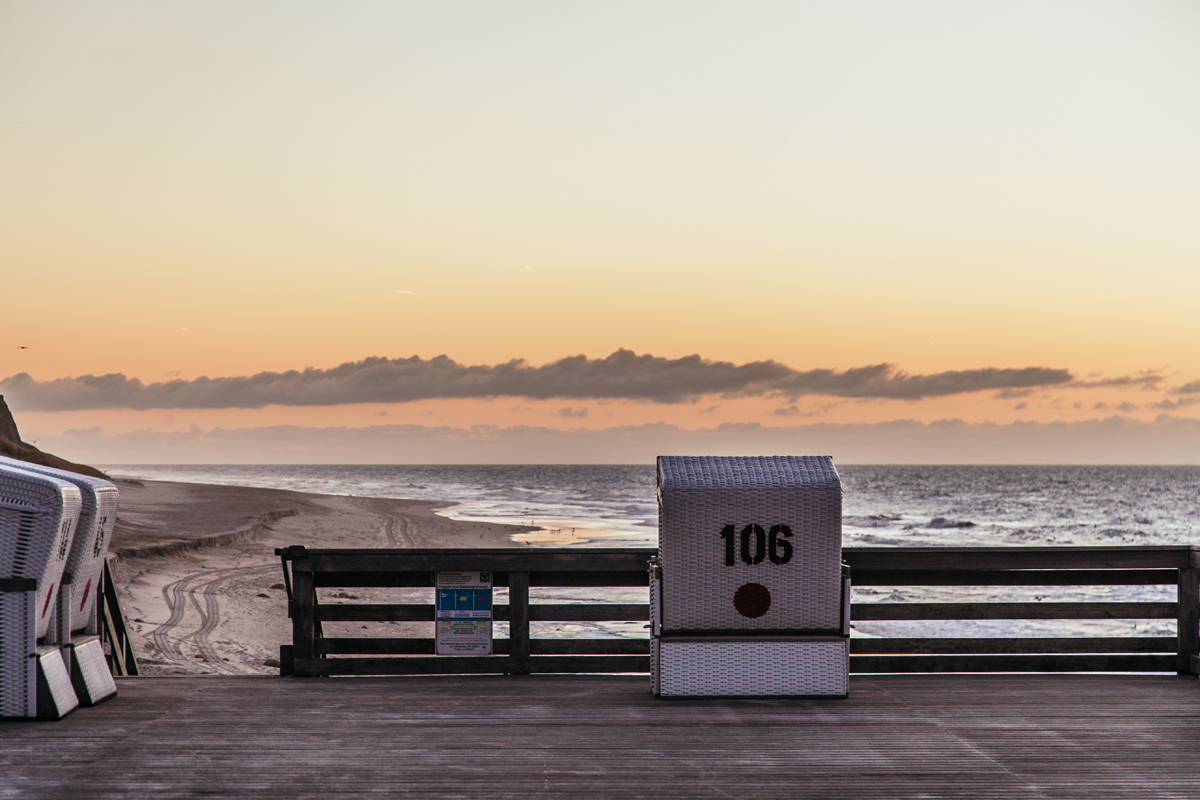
<point>896,506</point>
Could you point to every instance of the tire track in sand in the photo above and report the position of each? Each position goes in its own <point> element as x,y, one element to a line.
<point>395,527</point>
<point>210,616</point>
<point>175,596</point>
<point>186,593</point>
<point>210,584</point>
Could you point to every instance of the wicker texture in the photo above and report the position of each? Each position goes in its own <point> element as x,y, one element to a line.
<point>752,668</point>
<point>38,516</point>
<point>89,671</point>
<point>97,517</point>
<point>717,520</point>
<point>655,619</point>
<point>18,672</point>
<point>56,695</point>
<point>58,631</point>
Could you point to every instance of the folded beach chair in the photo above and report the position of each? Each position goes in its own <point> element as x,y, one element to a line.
<point>38,516</point>
<point>76,626</point>
<point>748,592</point>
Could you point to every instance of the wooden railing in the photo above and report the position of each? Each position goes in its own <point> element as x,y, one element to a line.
<point>114,633</point>
<point>313,653</point>
<point>1030,566</point>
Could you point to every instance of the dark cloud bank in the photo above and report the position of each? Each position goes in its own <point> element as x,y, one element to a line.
<point>1116,440</point>
<point>623,374</point>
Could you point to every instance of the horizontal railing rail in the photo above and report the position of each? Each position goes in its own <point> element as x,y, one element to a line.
<point>1177,566</point>
<point>313,653</point>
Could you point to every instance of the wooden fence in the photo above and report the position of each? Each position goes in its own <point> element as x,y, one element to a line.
<point>114,632</point>
<point>312,653</point>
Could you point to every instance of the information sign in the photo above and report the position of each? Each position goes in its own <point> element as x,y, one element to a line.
<point>463,625</point>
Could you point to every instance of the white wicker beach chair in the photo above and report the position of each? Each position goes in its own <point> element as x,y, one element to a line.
<point>76,624</point>
<point>748,593</point>
<point>38,516</point>
<point>85,562</point>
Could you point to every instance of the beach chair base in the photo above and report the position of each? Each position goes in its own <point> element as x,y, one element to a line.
<point>90,676</point>
<point>55,695</point>
<point>744,666</point>
<point>34,682</point>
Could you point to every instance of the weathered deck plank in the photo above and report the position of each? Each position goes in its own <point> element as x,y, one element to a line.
<point>898,736</point>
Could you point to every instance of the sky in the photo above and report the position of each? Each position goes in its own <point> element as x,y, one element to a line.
<point>289,232</point>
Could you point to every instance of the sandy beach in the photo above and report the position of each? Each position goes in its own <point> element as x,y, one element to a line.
<point>203,590</point>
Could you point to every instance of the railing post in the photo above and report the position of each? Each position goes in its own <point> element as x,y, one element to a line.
<point>518,622</point>
<point>303,614</point>
<point>1189,616</point>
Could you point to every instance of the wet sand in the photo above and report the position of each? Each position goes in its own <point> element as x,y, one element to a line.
<point>200,583</point>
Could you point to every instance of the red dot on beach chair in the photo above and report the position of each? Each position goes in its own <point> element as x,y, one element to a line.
<point>752,600</point>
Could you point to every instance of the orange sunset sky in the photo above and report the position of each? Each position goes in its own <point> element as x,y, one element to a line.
<point>541,231</point>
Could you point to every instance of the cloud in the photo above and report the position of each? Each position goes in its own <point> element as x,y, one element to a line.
<point>884,381</point>
<point>623,374</point>
<point>573,413</point>
<point>1187,388</point>
<point>1114,440</point>
<point>1172,405</point>
<point>792,411</point>
<point>1148,380</point>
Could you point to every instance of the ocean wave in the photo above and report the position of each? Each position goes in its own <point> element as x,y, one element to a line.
<point>1124,534</point>
<point>876,540</point>
<point>871,520</point>
<point>942,522</point>
<point>1025,536</point>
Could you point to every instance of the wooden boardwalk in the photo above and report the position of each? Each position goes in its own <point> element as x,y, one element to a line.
<point>601,736</point>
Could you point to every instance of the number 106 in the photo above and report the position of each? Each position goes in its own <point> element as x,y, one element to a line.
<point>757,544</point>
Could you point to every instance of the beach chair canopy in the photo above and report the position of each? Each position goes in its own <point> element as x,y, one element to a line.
<point>750,543</point>
<point>38,517</point>
<point>97,516</point>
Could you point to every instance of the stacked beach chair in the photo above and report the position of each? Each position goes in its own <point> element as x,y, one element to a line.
<point>55,527</point>
<point>748,594</point>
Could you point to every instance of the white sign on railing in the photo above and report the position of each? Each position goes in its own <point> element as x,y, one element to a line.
<point>464,614</point>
